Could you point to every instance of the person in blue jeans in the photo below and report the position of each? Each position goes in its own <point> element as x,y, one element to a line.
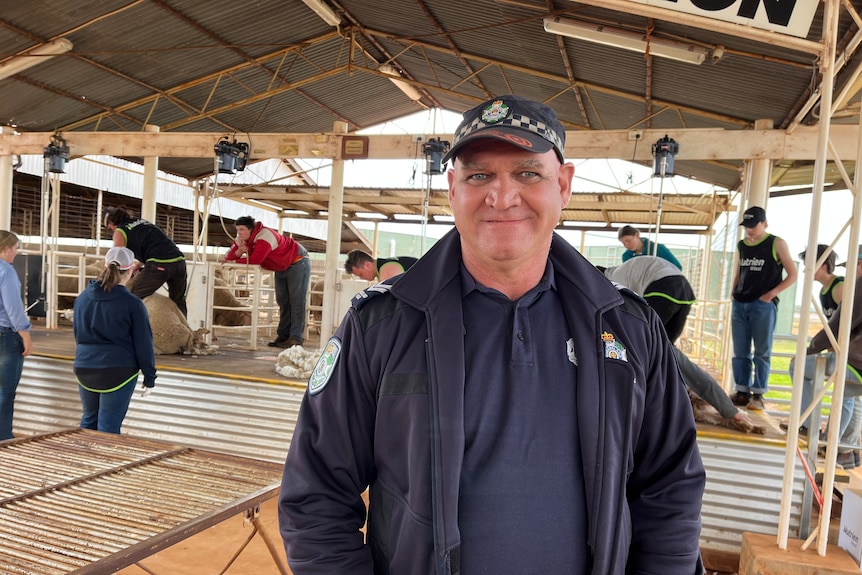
<point>765,269</point>
<point>15,342</point>
<point>850,424</point>
<point>257,244</point>
<point>830,298</point>
<point>114,343</point>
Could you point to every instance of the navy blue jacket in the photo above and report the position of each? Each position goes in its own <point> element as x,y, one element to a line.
<point>112,329</point>
<point>391,416</point>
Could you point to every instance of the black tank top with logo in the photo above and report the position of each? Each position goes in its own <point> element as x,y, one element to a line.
<point>760,270</point>
<point>827,301</point>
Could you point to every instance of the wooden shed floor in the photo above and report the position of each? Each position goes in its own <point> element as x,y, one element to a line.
<point>230,358</point>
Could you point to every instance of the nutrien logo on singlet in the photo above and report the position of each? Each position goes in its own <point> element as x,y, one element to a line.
<point>136,223</point>
<point>754,264</point>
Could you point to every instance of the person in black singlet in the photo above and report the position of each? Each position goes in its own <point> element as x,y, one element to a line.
<point>765,269</point>
<point>831,296</point>
<point>163,261</point>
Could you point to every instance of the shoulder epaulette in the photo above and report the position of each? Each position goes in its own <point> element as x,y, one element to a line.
<point>629,292</point>
<point>372,292</point>
<point>633,302</point>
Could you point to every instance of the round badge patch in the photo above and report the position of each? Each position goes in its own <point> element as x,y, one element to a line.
<point>496,112</point>
<point>325,366</point>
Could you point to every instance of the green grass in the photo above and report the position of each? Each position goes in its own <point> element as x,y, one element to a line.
<point>782,363</point>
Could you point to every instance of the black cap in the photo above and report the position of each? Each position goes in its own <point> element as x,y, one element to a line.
<point>753,216</point>
<point>530,125</point>
<point>821,249</point>
<point>858,258</point>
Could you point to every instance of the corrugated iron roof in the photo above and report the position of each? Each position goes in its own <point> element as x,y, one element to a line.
<point>275,66</point>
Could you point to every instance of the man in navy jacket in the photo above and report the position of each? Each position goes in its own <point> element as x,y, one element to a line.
<point>507,408</point>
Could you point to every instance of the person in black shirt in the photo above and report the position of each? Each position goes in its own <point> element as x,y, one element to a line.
<point>364,266</point>
<point>765,270</point>
<point>163,261</point>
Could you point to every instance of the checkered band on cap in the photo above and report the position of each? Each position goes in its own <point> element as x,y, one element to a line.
<point>515,120</point>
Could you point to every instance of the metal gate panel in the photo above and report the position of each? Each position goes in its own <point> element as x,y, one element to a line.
<point>224,414</point>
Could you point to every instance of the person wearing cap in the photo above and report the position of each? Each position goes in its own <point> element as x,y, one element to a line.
<point>765,269</point>
<point>636,246</point>
<point>832,291</point>
<point>259,245</point>
<point>500,387</point>
<point>850,422</point>
<point>831,295</point>
<point>15,341</point>
<point>362,265</point>
<point>114,344</point>
<point>163,261</point>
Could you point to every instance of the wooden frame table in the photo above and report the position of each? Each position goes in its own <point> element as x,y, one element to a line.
<point>84,502</point>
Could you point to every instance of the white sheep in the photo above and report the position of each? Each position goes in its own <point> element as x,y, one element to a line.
<point>67,282</point>
<point>171,331</point>
<point>226,298</point>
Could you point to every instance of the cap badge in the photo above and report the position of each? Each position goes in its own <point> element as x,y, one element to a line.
<point>613,348</point>
<point>496,112</point>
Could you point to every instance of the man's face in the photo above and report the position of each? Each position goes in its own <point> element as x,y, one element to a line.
<point>755,233</point>
<point>243,233</point>
<point>632,242</point>
<point>366,271</point>
<point>507,201</point>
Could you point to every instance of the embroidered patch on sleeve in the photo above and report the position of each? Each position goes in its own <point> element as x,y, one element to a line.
<point>613,348</point>
<point>325,366</point>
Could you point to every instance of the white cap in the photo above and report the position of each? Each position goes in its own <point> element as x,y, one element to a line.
<point>123,257</point>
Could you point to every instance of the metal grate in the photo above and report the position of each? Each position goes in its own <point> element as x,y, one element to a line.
<point>85,502</point>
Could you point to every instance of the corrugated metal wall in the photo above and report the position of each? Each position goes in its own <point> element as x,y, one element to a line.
<point>236,416</point>
<point>256,419</point>
<point>743,490</point>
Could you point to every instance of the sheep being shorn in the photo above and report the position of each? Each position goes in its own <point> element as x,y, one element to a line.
<point>705,413</point>
<point>171,331</point>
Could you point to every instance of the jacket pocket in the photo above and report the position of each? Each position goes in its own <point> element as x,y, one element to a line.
<point>399,541</point>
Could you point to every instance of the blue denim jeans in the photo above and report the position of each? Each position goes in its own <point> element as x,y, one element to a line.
<point>851,435</point>
<point>752,324</point>
<point>852,389</point>
<point>291,289</point>
<point>106,411</point>
<point>11,364</point>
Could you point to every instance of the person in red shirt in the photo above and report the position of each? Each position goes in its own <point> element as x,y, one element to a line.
<point>259,245</point>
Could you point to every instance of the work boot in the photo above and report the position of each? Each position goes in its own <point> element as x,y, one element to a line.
<point>279,342</point>
<point>846,460</point>
<point>803,431</point>
<point>292,341</point>
<point>755,403</point>
<point>740,398</point>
